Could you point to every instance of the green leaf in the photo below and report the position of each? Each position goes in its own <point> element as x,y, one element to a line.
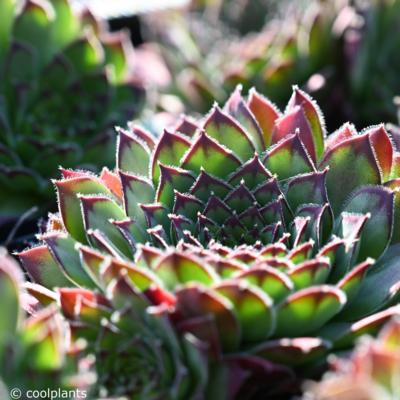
<point>236,107</point>
<point>205,153</point>
<point>253,308</point>
<point>240,198</point>
<point>217,210</point>
<point>187,205</point>
<point>42,268</point>
<point>310,272</point>
<point>133,156</point>
<point>351,164</point>
<point>253,173</point>
<point>63,250</point>
<point>114,45</point>
<point>288,158</point>
<point>379,286</point>
<point>195,301</point>
<point>172,179</point>
<point>10,281</point>
<point>395,186</point>
<point>85,55</point>
<point>267,192</point>
<point>293,351</point>
<point>7,14</point>
<point>377,202</point>
<point>65,26</point>
<point>226,131</point>
<point>136,191</point>
<point>274,283</point>
<point>177,268</point>
<point>307,188</point>
<point>169,151</point>
<point>98,212</point>
<point>33,27</point>
<point>352,282</point>
<point>70,205</point>
<point>308,309</point>
<point>207,185</point>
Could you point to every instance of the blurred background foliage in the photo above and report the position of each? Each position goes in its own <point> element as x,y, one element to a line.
<point>343,52</point>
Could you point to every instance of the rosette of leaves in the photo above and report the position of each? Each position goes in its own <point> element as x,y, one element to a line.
<point>248,229</point>
<point>64,84</point>
<point>33,348</point>
<point>371,373</point>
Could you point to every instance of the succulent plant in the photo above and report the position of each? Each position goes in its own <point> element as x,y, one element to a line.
<point>64,84</point>
<point>259,243</point>
<point>33,348</point>
<point>371,373</point>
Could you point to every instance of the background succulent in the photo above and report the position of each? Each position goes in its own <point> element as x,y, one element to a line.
<point>64,84</point>
<point>371,373</point>
<point>343,52</point>
<point>34,353</point>
<point>248,229</point>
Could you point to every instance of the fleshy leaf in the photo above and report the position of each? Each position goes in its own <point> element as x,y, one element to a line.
<point>97,213</point>
<point>69,203</point>
<point>253,309</point>
<point>42,268</point>
<point>207,185</point>
<point>240,198</point>
<point>376,234</point>
<point>176,268</point>
<point>133,155</point>
<point>172,179</point>
<point>288,158</point>
<point>352,282</point>
<point>274,283</point>
<point>310,272</point>
<point>62,248</point>
<point>379,287</point>
<point>253,173</point>
<point>295,121</point>
<point>196,301</point>
<point>206,153</point>
<point>395,186</point>
<point>11,280</point>
<point>346,131</point>
<point>169,150</point>
<point>354,155</point>
<point>237,107</point>
<point>229,133</point>
<point>313,115</point>
<point>265,112</point>
<point>293,351</point>
<point>383,149</point>
<point>136,191</point>
<point>307,188</point>
<point>308,309</point>
<point>187,205</point>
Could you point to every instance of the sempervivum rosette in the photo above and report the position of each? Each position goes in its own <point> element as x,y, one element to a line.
<point>260,243</point>
<point>34,351</point>
<point>64,84</point>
